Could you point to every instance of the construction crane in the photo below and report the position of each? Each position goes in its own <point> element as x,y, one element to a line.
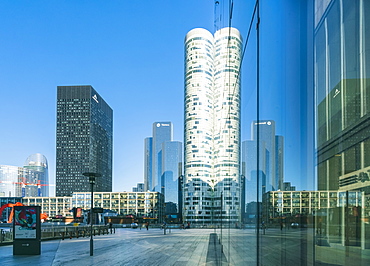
<point>217,16</point>
<point>24,184</point>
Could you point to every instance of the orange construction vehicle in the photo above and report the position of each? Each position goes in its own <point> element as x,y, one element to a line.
<point>43,216</point>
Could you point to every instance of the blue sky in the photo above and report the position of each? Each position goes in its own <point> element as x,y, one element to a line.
<point>131,52</point>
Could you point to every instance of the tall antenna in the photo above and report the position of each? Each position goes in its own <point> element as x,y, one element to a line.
<point>217,16</point>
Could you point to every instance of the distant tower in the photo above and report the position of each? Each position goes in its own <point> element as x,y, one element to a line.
<point>163,162</point>
<point>37,162</point>
<point>266,130</point>
<point>31,180</point>
<point>162,132</point>
<point>148,163</point>
<point>139,188</point>
<point>171,170</point>
<point>250,171</point>
<point>279,161</point>
<point>84,140</point>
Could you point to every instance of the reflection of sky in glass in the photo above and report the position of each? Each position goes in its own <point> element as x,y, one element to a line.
<point>285,91</point>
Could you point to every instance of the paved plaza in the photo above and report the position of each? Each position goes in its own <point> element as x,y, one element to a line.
<point>125,247</point>
<point>186,247</point>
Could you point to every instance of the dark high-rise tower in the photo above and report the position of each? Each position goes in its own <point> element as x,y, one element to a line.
<point>84,140</point>
<point>148,163</point>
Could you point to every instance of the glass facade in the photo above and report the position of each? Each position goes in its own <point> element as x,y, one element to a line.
<point>172,170</point>
<point>276,140</point>
<point>22,181</point>
<point>162,132</point>
<point>84,140</point>
<point>305,177</point>
<point>163,165</point>
<point>148,163</point>
<point>38,162</point>
<point>342,62</point>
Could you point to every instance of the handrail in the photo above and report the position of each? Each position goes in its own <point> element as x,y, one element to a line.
<point>65,231</point>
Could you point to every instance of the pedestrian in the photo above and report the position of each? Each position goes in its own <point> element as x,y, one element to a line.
<point>147,225</point>
<point>188,226</point>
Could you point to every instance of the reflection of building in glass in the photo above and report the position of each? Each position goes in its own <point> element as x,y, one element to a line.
<point>28,181</point>
<point>171,171</point>
<point>287,186</point>
<point>342,82</point>
<point>249,169</point>
<point>343,92</point>
<point>212,126</point>
<point>279,162</point>
<point>271,163</point>
<point>273,147</point>
<point>148,163</point>
<point>38,162</point>
<point>84,140</point>
<point>139,204</point>
<point>330,211</point>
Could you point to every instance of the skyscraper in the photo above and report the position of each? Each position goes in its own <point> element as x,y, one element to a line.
<point>250,172</point>
<point>32,180</point>
<point>39,163</point>
<point>162,132</point>
<point>273,147</point>
<point>148,163</point>
<point>84,140</point>
<point>279,162</point>
<point>212,126</point>
<point>342,89</point>
<point>342,64</point>
<point>172,169</point>
<point>163,163</point>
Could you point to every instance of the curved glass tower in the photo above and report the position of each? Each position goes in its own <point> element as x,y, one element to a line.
<point>212,126</point>
<point>31,180</point>
<point>39,163</point>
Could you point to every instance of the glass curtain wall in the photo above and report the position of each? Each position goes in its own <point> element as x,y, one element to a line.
<point>341,60</point>
<point>305,128</point>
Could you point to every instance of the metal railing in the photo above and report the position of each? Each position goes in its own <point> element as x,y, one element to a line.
<point>56,232</point>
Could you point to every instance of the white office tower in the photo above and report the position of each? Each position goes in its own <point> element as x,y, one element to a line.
<point>212,126</point>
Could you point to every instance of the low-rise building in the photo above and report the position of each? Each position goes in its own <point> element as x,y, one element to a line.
<point>332,213</point>
<point>135,204</point>
<point>52,206</point>
<point>138,204</point>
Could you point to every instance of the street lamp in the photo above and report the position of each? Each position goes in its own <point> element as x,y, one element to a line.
<point>180,197</point>
<point>91,177</point>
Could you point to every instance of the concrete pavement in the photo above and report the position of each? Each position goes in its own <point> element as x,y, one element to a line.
<point>125,247</point>
<point>190,247</point>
